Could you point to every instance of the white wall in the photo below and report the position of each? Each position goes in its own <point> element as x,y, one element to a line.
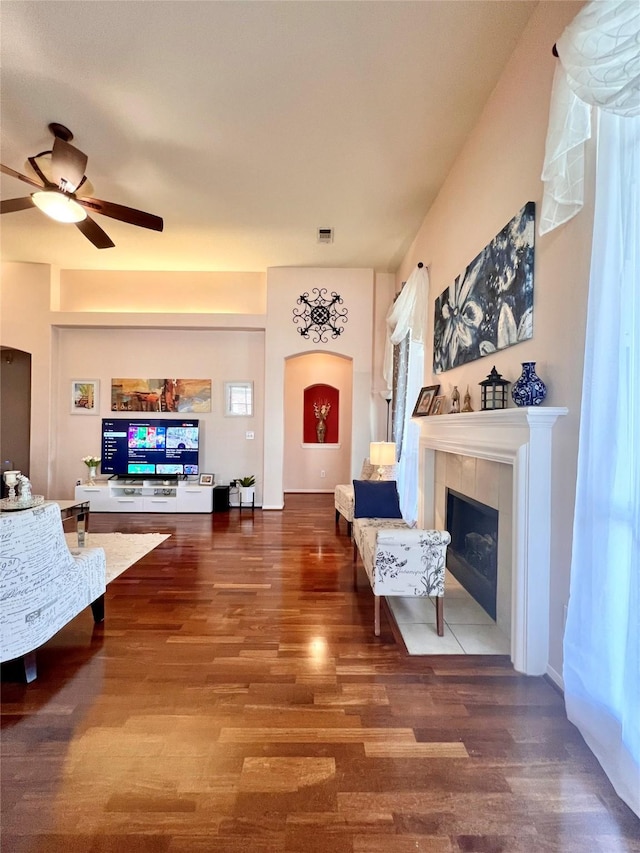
<point>108,325</point>
<point>284,286</point>
<point>157,292</point>
<point>107,353</point>
<point>24,324</point>
<point>497,172</point>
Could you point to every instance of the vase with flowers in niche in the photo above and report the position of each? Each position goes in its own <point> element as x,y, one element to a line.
<point>321,411</point>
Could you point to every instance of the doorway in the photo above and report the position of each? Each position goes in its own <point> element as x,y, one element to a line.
<point>15,410</point>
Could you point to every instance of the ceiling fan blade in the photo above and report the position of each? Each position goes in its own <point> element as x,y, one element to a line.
<point>67,165</point>
<point>7,171</point>
<point>10,205</point>
<point>124,214</point>
<point>93,232</point>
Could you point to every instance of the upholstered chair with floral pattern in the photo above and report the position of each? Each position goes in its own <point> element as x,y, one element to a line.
<point>401,561</point>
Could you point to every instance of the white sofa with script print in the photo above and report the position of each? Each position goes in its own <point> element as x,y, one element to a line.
<point>43,586</point>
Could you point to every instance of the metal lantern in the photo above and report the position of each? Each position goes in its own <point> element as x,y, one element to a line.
<point>494,391</point>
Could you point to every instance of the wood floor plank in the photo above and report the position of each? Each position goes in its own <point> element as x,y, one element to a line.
<point>236,700</point>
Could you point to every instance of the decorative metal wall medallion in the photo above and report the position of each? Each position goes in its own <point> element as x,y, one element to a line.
<point>320,316</point>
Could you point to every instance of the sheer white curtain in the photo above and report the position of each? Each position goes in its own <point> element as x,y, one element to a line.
<point>408,315</point>
<point>600,67</point>
<point>602,637</point>
<point>408,464</point>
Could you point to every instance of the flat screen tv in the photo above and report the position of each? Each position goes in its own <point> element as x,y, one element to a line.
<point>150,447</point>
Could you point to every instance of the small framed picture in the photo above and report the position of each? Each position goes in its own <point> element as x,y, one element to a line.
<point>206,479</point>
<point>424,401</point>
<point>437,407</point>
<point>85,396</point>
<point>238,399</point>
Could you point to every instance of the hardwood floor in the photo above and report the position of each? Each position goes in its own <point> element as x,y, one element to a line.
<point>236,700</point>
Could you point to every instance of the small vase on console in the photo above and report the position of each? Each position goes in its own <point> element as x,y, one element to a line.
<point>529,389</point>
<point>92,463</point>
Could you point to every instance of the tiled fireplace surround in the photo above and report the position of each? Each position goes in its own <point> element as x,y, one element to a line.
<point>489,483</point>
<point>502,459</point>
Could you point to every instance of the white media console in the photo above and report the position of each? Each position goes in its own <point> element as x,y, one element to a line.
<point>126,495</point>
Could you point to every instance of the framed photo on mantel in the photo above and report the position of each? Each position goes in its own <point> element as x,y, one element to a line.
<point>437,407</point>
<point>424,401</point>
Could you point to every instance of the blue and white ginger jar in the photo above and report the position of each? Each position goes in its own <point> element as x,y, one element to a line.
<point>529,389</point>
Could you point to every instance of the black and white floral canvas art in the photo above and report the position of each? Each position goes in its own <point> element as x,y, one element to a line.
<point>490,305</point>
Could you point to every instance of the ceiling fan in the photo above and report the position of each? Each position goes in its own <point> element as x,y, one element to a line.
<point>57,195</point>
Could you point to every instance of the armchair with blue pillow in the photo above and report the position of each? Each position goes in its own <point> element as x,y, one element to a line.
<point>344,499</point>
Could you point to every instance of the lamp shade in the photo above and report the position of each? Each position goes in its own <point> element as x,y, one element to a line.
<point>382,453</point>
<point>59,206</point>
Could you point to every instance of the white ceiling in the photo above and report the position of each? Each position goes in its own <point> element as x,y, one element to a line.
<point>247,125</point>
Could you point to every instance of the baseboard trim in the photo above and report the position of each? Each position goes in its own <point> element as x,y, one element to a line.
<point>555,678</point>
<point>309,491</point>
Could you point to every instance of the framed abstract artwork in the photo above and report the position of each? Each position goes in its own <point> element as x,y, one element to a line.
<point>160,395</point>
<point>490,305</point>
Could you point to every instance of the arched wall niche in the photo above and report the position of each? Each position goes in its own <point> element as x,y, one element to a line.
<point>313,466</point>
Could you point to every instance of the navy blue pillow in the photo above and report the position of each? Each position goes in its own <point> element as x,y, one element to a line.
<point>376,499</point>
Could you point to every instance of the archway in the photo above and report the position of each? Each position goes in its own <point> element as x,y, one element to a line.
<point>310,466</point>
<point>15,410</point>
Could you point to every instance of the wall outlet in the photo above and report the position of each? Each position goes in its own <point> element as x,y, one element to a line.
<point>249,435</point>
<point>322,474</point>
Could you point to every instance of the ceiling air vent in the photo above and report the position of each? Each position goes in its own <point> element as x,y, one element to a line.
<point>325,235</point>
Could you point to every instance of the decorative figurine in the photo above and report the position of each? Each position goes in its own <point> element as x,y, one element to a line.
<point>455,401</point>
<point>25,488</point>
<point>467,402</point>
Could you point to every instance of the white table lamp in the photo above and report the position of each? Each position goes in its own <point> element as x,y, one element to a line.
<point>382,453</point>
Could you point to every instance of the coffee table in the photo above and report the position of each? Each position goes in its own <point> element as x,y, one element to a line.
<point>78,510</point>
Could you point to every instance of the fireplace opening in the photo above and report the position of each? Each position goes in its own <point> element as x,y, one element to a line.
<point>472,556</point>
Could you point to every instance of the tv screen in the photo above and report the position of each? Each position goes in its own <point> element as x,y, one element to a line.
<point>149,447</point>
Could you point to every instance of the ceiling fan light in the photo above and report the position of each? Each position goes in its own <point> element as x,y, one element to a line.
<point>59,206</point>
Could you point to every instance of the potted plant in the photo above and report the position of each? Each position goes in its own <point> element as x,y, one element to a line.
<point>247,488</point>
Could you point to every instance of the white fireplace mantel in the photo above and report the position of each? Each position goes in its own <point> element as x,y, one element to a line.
<point>521,438</point>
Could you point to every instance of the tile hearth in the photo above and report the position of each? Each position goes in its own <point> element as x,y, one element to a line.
<point>469,630</point>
